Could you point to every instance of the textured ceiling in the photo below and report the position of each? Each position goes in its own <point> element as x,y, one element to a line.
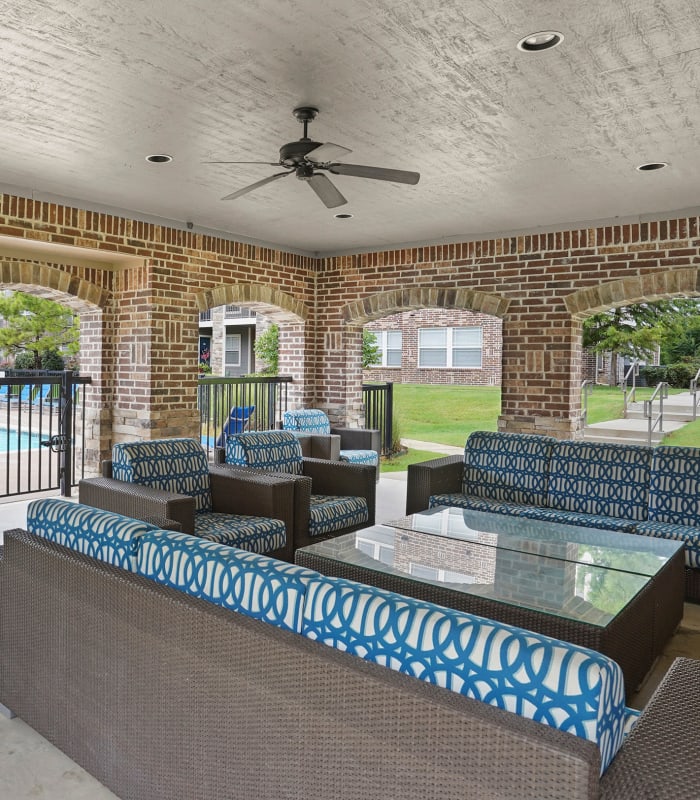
<point>504,140</point>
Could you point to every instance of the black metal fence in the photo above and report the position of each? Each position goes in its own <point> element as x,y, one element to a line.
<point>231,405</point>
<point>42,431</point>
<point>379,411</point>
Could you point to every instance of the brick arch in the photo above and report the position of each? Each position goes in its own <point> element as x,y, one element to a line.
<point>269,301</point>
<point>635,289</point>
<point>53,284</point>
<point>382,304</point>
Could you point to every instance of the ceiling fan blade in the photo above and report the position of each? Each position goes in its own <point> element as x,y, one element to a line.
<point>378,173</point>
<point>329,195</point>
<point>327,152</point>
<point>266,163</point>
<point>252,186</point>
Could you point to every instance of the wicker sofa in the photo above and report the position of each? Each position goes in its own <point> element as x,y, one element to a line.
<point>211,672</point>
<point>651,491</point>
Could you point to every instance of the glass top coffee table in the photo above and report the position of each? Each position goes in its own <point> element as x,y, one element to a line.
<point>617,593</point>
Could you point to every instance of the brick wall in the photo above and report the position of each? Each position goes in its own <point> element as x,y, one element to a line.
<point>540,286</point>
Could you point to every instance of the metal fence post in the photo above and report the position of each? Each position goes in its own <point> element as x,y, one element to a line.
<point>66,432</point>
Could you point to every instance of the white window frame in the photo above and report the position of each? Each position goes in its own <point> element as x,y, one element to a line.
<point>228,352</point>
<point>383,337</point>
<point>450,346</point>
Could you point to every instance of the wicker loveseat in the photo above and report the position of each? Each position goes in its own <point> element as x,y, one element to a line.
<point>264,679</point>
<point>651,491</point>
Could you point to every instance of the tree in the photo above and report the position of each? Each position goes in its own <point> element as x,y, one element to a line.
<point>267,346</point>
<point>371,353</point>
<point>635,330</point>
<point>37,326</point>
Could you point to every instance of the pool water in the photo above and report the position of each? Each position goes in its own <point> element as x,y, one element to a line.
<point>11,440</point>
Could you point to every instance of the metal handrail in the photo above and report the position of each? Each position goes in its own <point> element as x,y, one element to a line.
<point>662,392</point>
<point>694,392</point>
<point>629,396</point>
<point>586,388</point>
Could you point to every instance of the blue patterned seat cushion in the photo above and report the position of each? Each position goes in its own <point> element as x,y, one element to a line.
<point>328,513</point>
<point>466,501</point>
<point>599,479</point>
<point>274,451</point>
<point>555,683</point>
<point>256,534</point>
<point>370,457</point>
<point>307,420</point>
<point>674,490</point>
<point>174,465</point>
<point>688,534</point>
<point>251,584</point>
<point>510,467</point>
<point>101,534</point>
<point>585,520</point>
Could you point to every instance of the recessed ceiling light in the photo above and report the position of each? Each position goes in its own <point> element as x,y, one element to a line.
<point>343,216</point>
<point>652,165</point>
<point>542,40</point>
<point>159,158</point>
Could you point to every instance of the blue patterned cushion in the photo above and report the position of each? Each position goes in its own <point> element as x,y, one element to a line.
<point>251,584</point>
<point>256,534</point>
<point>174,465</point>
<point>583,520</point>
<point>555,683</point>
<point>328,514</point>
<point>370,457</point>
<point>101,534</point>
<point>511,467</point>
<point>275,451</point>
<point>308,420</point>
<point>601,479</point>
<point>675,486</point>
<point>459,500</point>
<point>689,535</point>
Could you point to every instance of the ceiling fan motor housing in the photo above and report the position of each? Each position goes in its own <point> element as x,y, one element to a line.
<point>294,153</point>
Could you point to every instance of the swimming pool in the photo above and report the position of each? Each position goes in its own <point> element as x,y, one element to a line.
<point>12,440</point>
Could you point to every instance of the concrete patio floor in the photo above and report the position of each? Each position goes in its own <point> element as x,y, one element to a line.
<point>30,767</point>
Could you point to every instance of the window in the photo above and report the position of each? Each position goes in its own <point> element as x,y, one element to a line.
<point>232,355</point>
<point>449,347</point>
<point>389,344</point>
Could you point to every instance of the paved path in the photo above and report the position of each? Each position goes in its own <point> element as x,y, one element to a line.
<point>433,447</point>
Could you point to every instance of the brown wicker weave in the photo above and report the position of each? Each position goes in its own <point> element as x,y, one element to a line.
<point>165,697</point>
<point>261,495</point>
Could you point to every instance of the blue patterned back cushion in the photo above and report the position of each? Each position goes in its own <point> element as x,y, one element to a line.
<point>511,467</point>
<point>309,420</point>
<point>101,534</point>
<point>555,683</point>
<point>674,494</point>
<point>370,457</point>
<point>174,465</point>
<point>276,451</point>
<point>602,479</point>
<point>248,583</point>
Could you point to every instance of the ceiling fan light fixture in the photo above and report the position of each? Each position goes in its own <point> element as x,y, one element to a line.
<point>343,216</point>
<point>650,166</point>
<point>542,40</point>
<point>159,158</point>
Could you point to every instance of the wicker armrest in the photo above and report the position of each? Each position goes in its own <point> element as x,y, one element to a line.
<point>341,478</point>
<point>437,476</point>
<point>138,502</point>
<point>358,438</point>
<point>660,756</point>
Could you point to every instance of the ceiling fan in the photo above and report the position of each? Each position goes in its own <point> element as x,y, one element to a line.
<point>309,161</point>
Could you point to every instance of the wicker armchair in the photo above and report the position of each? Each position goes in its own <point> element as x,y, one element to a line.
<point>244,510</point>
<point>330,497</point>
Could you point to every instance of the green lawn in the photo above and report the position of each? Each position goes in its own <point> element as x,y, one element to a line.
<point>448,414</point>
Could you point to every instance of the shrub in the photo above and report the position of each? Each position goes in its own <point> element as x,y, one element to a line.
<point>653,375</point>
<point>680,375</point>
<point>52,360</point>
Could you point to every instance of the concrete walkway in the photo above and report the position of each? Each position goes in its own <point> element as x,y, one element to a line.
<point>433,447</point>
